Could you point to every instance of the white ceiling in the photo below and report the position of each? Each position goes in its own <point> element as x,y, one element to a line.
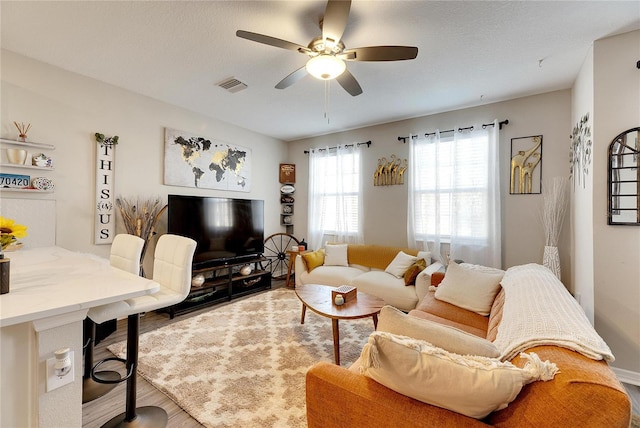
<point>470,53</point>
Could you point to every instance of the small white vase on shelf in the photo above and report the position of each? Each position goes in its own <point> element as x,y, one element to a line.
<point>16,156</point>
<point>551,260</point>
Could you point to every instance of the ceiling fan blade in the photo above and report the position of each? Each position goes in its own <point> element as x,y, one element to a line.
<point>271,41</point>
<point>349,83</point>
<point>335,19</point>
<point>380,53</point>
<point>292,78</point>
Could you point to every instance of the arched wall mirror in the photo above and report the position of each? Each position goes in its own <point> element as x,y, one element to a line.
<point>624,179</point>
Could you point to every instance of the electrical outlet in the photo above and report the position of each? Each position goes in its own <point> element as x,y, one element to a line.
<point>53,380</point>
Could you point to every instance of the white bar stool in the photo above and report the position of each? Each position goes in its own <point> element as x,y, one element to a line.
<point>126,251</point>
<point>172,270</point>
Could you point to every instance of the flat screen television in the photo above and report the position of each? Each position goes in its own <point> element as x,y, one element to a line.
<point>225,229</point>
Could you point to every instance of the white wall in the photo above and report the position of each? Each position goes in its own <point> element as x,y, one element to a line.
<point>582,197</point>
<point>386,206</point>
<point>66,109</point>
<point>616,248</point>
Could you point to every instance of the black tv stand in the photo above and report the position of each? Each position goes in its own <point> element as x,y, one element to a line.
<point>224,282</point>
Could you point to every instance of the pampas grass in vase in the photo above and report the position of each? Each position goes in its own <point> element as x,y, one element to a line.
<point>140,216</point>
<point>555,207</point>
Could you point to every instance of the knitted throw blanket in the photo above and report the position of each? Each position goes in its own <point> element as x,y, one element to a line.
<point>538,310</point>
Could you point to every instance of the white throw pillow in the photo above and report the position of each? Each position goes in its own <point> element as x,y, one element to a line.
<point>399,265</point>
<point>336,255</point>
<point>473,386</point>
<point>392,320</point>
<point>470,288</point>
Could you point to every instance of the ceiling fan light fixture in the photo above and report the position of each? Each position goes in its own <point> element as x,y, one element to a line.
<point>325,67</point>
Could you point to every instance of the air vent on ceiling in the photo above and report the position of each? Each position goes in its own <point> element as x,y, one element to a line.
<point>232,85</point>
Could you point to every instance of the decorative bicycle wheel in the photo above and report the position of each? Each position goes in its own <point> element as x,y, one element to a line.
<point>275,249</point>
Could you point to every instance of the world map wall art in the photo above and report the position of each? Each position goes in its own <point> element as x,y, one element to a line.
<point>194,161</point>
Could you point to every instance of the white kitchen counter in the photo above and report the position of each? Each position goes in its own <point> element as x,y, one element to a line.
<point>53,281</point>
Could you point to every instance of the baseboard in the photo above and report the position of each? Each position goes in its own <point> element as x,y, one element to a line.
<point>627,376</point>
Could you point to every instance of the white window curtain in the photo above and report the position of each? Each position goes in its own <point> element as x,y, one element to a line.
<point>454,195</point>
<point>335,201</point>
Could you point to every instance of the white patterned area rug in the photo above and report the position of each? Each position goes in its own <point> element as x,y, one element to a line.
<point>244,364</point>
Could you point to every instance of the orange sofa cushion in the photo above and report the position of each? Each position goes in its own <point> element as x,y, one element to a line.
<point>459,316</point>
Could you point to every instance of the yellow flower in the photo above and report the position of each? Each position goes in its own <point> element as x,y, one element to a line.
<point>10,227</point>
<point>10,230</point>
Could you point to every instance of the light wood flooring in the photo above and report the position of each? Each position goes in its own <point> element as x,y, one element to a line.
<point>101,410</point>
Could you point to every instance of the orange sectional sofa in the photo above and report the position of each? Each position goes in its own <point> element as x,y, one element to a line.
<point>585,393</point>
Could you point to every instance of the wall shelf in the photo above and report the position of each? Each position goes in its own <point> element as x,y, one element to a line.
<point>15,165</point>
<point>28,165</point>
<point>28,144</point>
<point>286,209</point>
<point>11,189</point>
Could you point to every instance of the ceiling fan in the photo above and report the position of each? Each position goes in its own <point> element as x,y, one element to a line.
<point>328,53</point>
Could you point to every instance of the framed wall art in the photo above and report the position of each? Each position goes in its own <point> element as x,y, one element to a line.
<point>624,178</point>
<point>526,165</point>
<point>195,161</point>
<point>580,154</point>
<point>287,173</point>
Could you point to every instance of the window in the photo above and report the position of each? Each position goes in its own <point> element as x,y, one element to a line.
<point>445,186</point>
<point>335,200</point>
<point>454,195</point>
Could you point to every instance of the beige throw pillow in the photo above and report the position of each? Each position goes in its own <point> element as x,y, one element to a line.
<point>473,386</point>
<point>470,288</point>
<point>399,265</point>
<point>392,320</point>
<point>336,255</point>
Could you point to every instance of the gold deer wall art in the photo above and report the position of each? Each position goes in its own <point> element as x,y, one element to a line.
<point>390,171</point>
<point>526,155</point>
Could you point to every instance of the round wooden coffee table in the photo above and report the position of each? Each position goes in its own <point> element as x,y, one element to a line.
<point>318,298</point>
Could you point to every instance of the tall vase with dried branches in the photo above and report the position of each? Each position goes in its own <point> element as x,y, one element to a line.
<point>555,207</point>
<point>140,216</point>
